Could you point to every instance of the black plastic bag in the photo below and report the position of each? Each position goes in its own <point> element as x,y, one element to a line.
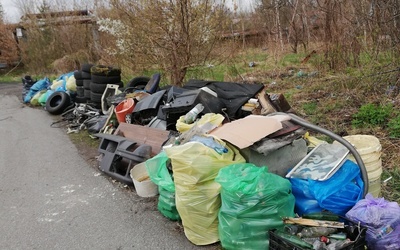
<point>95,124</point>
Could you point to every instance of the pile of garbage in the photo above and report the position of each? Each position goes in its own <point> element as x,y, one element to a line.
<point>231,161</point>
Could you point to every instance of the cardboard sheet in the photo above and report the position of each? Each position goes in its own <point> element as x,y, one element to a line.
<point>246,131</point>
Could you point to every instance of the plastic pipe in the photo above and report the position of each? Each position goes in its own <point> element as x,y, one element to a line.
<point>338,138</point>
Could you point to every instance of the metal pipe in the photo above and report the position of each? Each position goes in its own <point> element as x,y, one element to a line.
<point>338,138</point>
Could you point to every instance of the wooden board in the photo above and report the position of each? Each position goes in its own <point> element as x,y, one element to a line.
<point>144,135</point>
<point>314,223</point>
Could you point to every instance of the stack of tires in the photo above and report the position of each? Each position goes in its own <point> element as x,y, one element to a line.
<point>101,76</point>
<point>83,80</point>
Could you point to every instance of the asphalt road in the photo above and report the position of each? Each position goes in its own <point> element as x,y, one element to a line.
<point>50,198</point>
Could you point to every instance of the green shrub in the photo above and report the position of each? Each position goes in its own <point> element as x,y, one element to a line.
<point>310,108</point>
<point>371,114</point>
<point>394,127</point>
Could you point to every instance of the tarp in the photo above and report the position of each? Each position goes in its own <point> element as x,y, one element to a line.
<point>232,94</point>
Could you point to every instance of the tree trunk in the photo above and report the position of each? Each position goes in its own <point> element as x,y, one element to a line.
<point>278,24</point>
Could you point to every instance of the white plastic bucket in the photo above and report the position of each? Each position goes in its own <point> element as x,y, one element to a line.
<point>143,185</point>
<point>369,148</point>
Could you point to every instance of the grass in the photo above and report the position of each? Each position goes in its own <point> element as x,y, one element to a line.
<point>11,77</point>
<point>391,188</point>
<point>83,138</point>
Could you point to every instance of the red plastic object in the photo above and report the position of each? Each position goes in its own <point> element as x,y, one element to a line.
<point>123,108</point>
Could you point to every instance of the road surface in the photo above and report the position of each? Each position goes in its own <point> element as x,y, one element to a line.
<point>51,198</point>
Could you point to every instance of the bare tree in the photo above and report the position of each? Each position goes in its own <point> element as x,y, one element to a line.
<point>1,13</point>
<point>55,41</point>
<point>174,35</point>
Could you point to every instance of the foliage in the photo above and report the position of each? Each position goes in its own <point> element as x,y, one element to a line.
<point>394,127</point>
<point>1,14</point>
<point>391,188</point>
<point>310,108</point>
<point>371,114</point>
<point>54,40</point>
<point>8,46</point>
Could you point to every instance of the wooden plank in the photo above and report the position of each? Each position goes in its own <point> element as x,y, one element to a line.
<point>267,107</point>
<point>144,135</point>
<point>314,223</point>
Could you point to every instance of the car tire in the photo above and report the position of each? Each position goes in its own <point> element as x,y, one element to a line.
<point>87,93</point>
<point>106,79</point>
<point>97,88</point>
<point>80,99</point>
<point>80,91</point>
<point>86,67</point>
<point>137,82</point>
<point>86,83</point>
<point>95,97</point>
<point>57,102</point>
<point>78,75</point>
<point>86,75</point>
<point>79,82</point>
<point>101,70</point>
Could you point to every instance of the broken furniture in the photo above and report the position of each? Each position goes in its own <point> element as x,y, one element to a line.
<point>154,137</point>
<point>120,155</point>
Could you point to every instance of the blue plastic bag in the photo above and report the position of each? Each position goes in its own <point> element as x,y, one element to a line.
<point>342,191</point>
<point>338,194</point>
<point>38,86</point>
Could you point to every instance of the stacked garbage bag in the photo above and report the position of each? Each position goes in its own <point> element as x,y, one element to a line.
<point>54,95</point>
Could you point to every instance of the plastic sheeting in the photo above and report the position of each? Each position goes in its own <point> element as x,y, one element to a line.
<point>253,202</point>
<point>232,95</point>
<point>195,167</point>
<point>210,118</point>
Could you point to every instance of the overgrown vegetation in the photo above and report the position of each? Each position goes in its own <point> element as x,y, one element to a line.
<point>371,114</point>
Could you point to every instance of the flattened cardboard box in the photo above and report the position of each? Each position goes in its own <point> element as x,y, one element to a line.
<point>246,131</point>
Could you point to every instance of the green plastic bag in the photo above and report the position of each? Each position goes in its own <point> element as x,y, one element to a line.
<point>158,171</point>
<point>35,99</point>
<point>166,204</point>
<point>253,202</point>
<point>159,174</point>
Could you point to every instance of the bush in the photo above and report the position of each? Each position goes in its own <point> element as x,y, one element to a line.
<point>371,114</point>
<point>394,127</point>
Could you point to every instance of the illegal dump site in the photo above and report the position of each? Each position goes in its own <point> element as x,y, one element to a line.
<point>232,162</point>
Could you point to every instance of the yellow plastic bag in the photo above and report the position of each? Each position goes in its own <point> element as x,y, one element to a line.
<point>56,83</point>
<point>35,99</point>
<point>313,141</point>
<point>214,119</point>
<point>195,167</point>
<point>71,84</point>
